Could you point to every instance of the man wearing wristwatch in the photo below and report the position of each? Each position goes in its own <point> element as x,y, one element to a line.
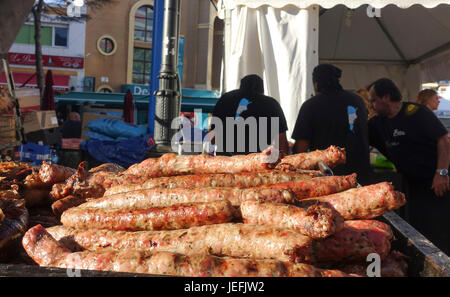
<point>418,144</point>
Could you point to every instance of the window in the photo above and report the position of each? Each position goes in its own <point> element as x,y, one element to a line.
<point>104,89</point>
<point>142,55</point>
<point>143,24</point>
<point>50,36</point>
<point>106,45</point>
<point>60,36</point>
<point>142,63</point>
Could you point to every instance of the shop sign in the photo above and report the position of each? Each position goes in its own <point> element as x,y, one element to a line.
<point>48,61</point>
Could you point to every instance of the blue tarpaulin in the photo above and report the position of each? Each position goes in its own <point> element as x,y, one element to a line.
<point>123,152</point>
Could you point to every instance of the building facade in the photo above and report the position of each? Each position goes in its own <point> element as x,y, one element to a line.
<point>63,48</point>
<point>119,45</point>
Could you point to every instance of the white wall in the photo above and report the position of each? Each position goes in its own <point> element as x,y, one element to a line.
<point>75,46</point>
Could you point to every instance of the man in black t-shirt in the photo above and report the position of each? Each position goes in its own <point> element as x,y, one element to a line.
<point>414,139</point>
<point>250,121</point>
<point>334,117</point>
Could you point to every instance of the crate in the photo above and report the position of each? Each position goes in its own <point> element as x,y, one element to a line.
<point>45,136</point>
<point>39,120</point>
<point>32,152</point>
<point>7,129</point>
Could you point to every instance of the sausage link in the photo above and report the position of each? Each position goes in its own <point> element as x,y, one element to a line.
<point>316,221</point>
<point>46,251</point>
<point>178,216</point>
<point>167,197</point>
<point>361,203</point>
<point>241,180</point>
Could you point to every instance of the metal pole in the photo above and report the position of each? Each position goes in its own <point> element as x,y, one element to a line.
<point>168,96</point>
<point>158,19</point>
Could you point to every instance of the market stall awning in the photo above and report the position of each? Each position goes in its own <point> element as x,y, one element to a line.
<point>61,82</point>
<point>231,4</point>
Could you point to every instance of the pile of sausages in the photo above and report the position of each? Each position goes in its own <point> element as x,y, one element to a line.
<point>224,216</point>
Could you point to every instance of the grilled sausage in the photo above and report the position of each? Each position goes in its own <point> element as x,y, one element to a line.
<point>171,164</point>
<point>52,173</point>
<point>241,180</point>
<point>87,184</point>
<point>178,216</point>
<point>65,203</point>
<point>319,186</point>
<point>234,240</point>
<point>332,157</point>
<point>168,197</point>
<point>46,251</point>
<point>355,241</point>
<point>394,265</point>
<point>316,221</point>
<point>361,203</point>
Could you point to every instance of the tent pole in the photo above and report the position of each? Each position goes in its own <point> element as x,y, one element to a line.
<point>391,39</point>
<point>431,53</point>
<point>348,61</point>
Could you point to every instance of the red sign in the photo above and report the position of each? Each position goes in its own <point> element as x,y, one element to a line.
<point>49,61</point>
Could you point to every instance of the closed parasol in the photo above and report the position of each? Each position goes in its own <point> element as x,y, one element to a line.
<point>128,108</point>
<point>48,99</point>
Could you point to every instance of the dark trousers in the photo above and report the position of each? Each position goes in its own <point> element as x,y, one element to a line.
<point>429,214</point>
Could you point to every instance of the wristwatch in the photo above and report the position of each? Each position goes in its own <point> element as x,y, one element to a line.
<point>443,172</point>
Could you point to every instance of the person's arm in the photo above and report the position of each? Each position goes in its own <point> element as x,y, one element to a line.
<point>441,182</point>
<point>301,146</point>
<point>284,145</point>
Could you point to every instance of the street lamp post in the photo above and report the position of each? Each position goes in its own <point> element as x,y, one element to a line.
<point>168,97</point>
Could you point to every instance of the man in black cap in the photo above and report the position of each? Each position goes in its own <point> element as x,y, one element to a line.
<point>250,121</point>
<point>334,117</point>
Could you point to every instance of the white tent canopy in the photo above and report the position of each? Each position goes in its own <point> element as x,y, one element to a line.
<point>399,45</point>
<point>231,4</point>
<point>280,40</point>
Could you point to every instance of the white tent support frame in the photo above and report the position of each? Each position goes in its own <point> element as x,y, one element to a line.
<point>408,64</point>
<point>434,52</point>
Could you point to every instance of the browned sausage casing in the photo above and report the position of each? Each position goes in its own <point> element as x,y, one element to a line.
<point>353,243</point>
<point>178,216</point>
<point>316,221</point>
<point>362,203</point>
<point>332,157</point>
<point>240,180</point>
<point>319,186</point>
<point>168,197</point>
<point>46,251</point>
<point>231,239</point>
<point>52,173</point>
<point>171,164</point>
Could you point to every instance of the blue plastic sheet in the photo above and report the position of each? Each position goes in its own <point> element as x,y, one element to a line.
<point>124,152</point>
<point>115,128</point>
<point>97,136</point>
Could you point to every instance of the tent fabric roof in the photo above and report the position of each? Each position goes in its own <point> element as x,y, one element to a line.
<point>230,4</point>
<point>400,35</point>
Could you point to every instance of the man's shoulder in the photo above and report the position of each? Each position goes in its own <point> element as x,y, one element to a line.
<point>230,95</point>
<point>412,109</point>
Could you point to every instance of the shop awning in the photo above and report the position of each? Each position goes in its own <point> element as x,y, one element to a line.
<point>61,82</point>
